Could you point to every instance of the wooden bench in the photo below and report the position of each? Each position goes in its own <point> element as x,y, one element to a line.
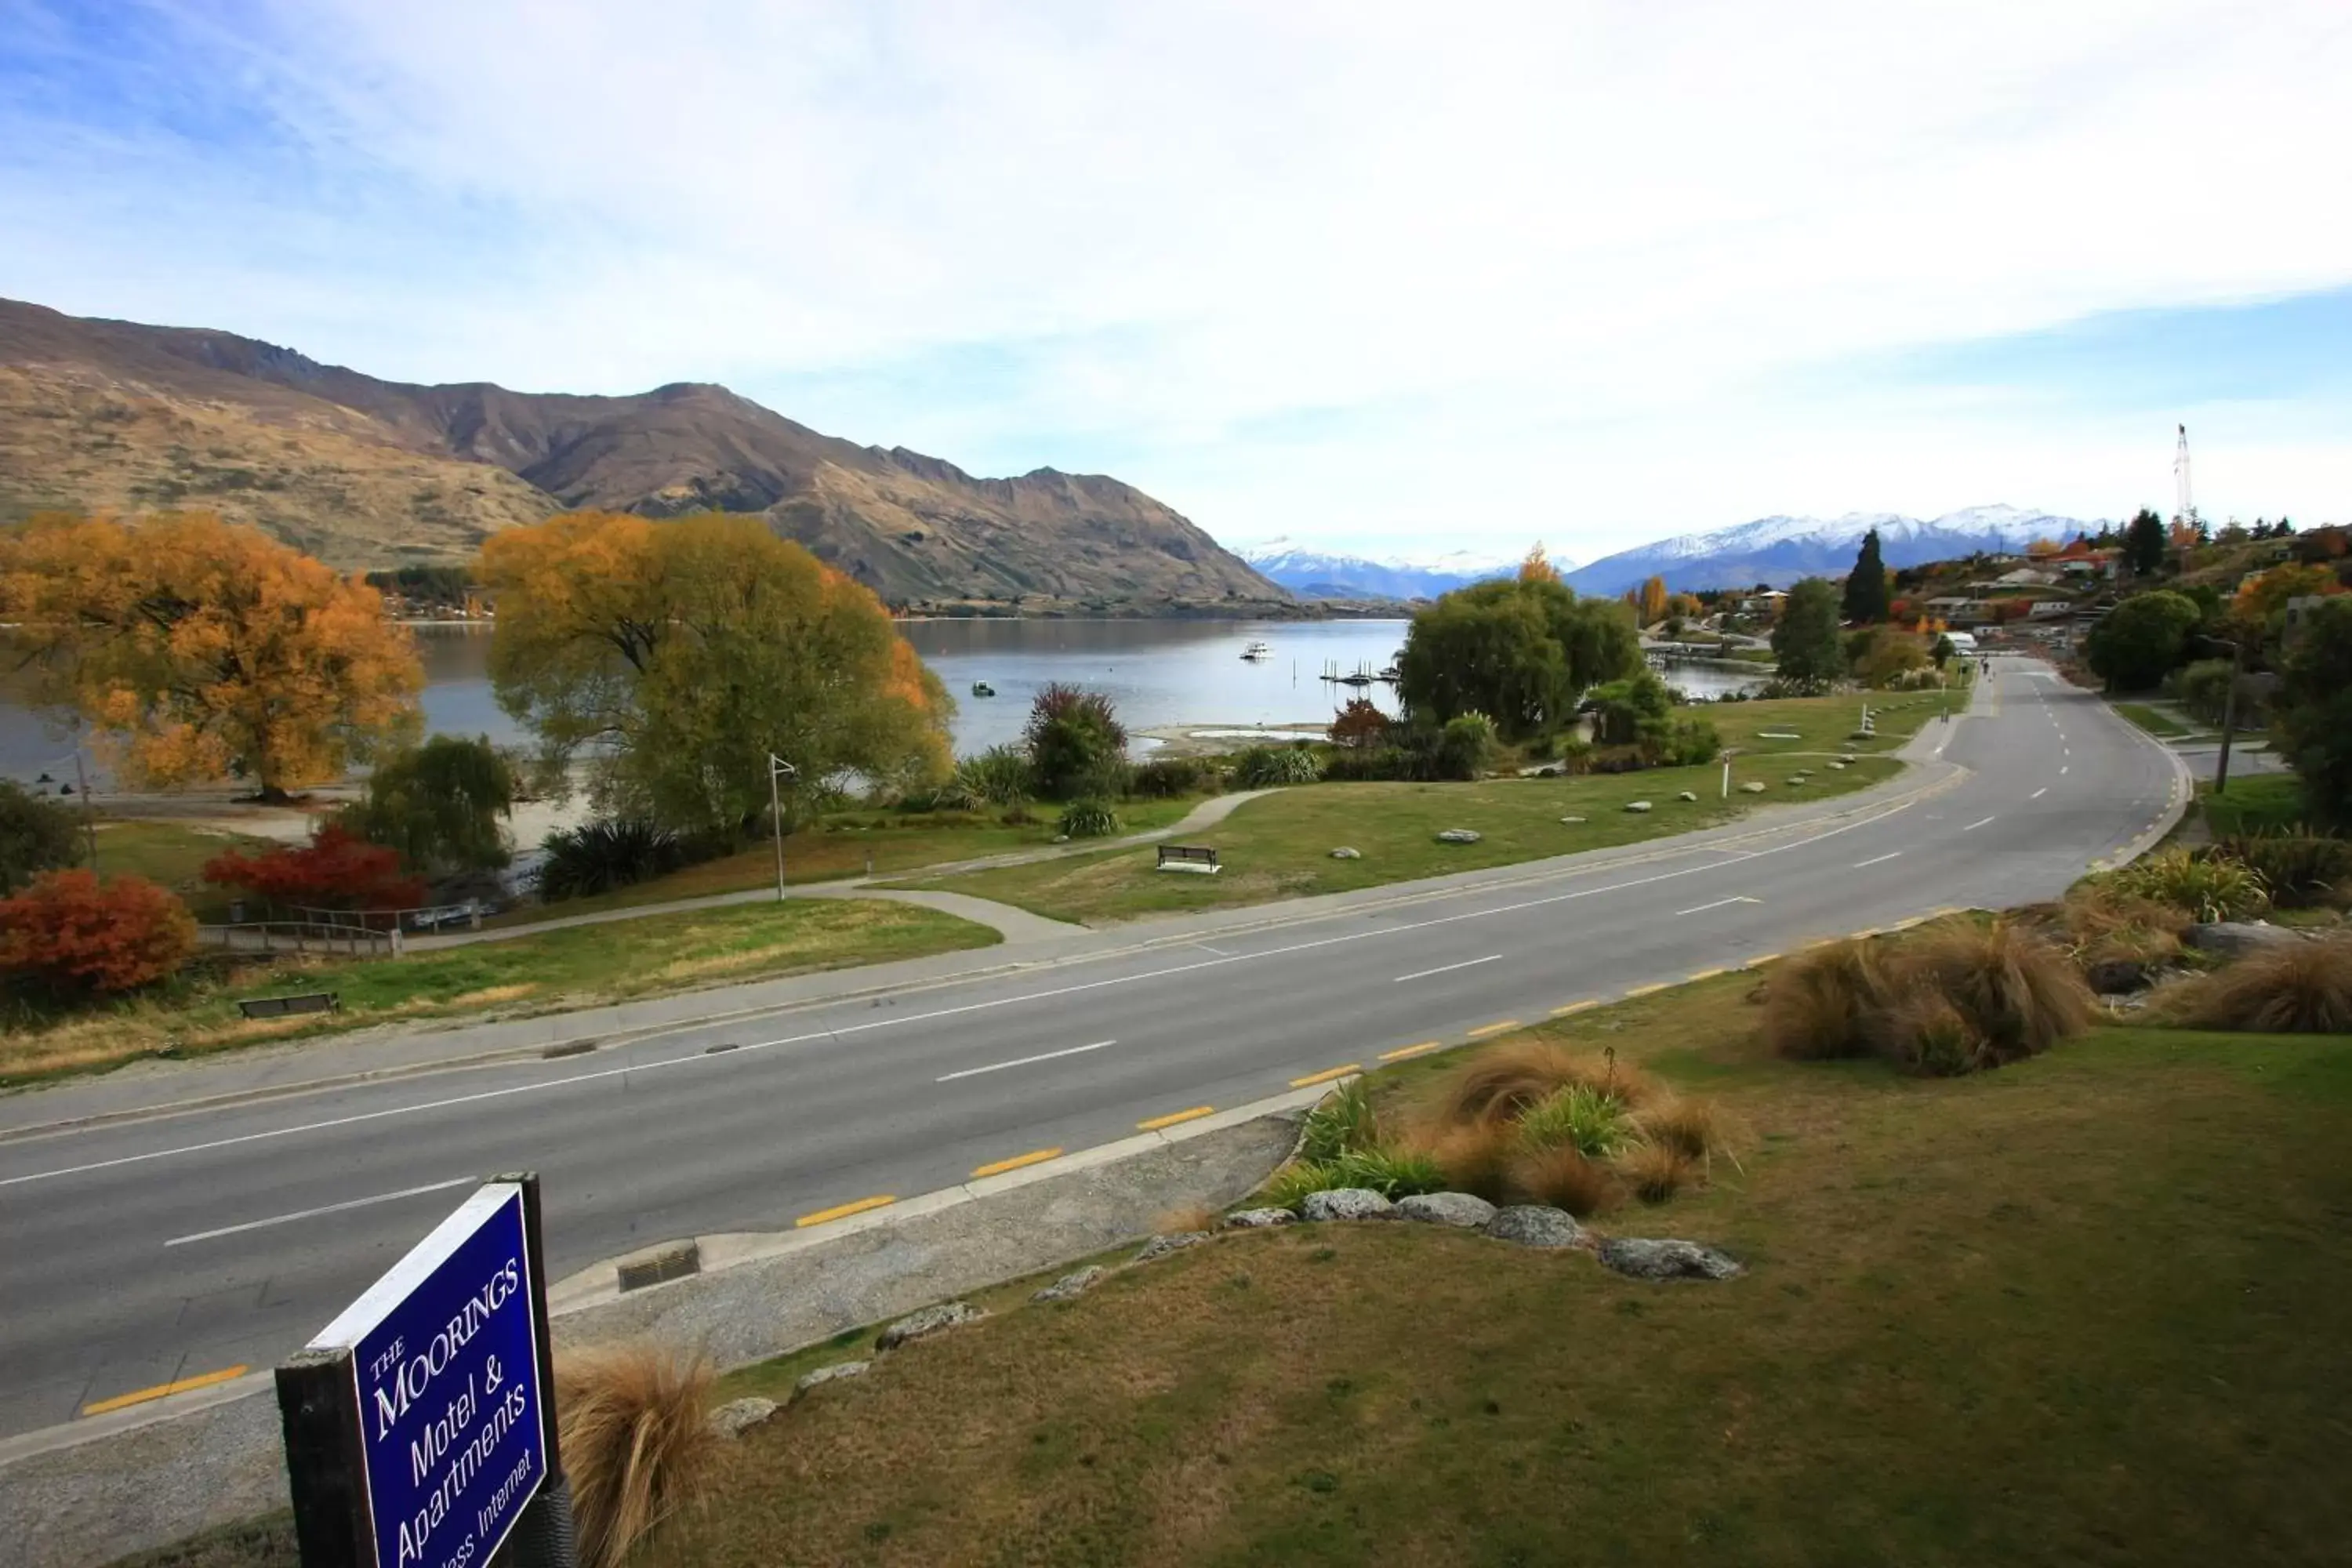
<point>1197,857</point>
<point>280,1007</point>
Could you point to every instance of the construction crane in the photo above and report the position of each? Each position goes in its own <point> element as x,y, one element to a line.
<point>2186,516</point>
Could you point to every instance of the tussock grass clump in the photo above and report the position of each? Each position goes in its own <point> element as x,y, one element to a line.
<point>1566,1178</point>
<point>1500,1083</point>
<point>1341,1121</point>
<point>1476,1156</point>
<point>1657,1172</point>
<point>1956,998</point>
<point>2302,989</point>
<point>2299,868</point>
<point>1391,1171</point>
<point>1924,1033</point>
<point>2016,992</point>
<point>1689,1127</point>
<point>637,1441</point>
<point>1820,1005</point>
<point>1186,1217</point>
<point>1590,1121</point>
<point>2209,886</point>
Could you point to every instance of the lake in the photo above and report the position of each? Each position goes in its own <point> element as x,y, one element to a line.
<point>1158,673</point>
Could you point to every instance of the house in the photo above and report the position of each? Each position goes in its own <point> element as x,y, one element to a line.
<point>1766,604</point>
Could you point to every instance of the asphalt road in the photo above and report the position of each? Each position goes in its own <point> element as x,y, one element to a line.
<point>138,1254</point>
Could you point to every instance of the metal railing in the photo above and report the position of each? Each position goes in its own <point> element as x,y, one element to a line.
<point>301,937</point>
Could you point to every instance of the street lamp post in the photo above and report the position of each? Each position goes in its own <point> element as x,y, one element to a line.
<point>2229,709</point>
<point>779,769</point>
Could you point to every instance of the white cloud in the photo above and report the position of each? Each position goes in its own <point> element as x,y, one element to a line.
<point>1538,268</point>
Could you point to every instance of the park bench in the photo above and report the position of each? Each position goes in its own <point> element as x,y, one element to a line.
<point>1197,857</point>
<point>280,1007</point>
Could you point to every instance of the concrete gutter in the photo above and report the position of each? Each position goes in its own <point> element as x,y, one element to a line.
<point>91,1492</point>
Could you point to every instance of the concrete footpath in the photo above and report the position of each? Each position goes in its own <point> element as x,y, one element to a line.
<point>87,1493</point>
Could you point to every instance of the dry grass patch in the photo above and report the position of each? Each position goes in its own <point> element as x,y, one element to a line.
<point>1565,1177</point>
<point>1657,1172</point>
<point>1819,1003</point>
<point>637,1444</point>
<point>2302,989</point>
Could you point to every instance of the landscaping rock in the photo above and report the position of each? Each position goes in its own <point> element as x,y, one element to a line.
<point>1637,806</point>
<point>1070,1286</point>
<point>2116,976</point>
<point>1837,764</point>
<point>1344,853</point>
<point>1464,1210</point>
<point>1666,1260</point>
<point>1459,836</point>
<point>1258,1219</point>
<point>730,1418</point>
<point>1688,794</point>
<point>1751,787</point>
<point>1533,1225</point>
<point>1175,1241</point>
<point>930,1320</point>
<point>1345,1203</point>
<point>825,1374</point>
<point>1571,821</point>
<point>2235,939</point>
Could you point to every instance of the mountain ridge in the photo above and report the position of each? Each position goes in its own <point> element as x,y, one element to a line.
<point>1332,574</point>
<point>1780,549</point>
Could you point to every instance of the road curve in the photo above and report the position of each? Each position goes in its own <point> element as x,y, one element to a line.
<point>138,1254</point>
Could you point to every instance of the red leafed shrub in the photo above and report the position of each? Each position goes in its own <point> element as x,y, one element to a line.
<point>337,869</point>
<point>1359,724</point>
<point>72,932</point>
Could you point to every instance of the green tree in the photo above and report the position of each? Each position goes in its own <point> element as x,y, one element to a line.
<point>1943,651</point>
<point>440,805</point>
<point>1865,601</point>
<point>1077,747</point>
<point>1805,642</point>
<point>2312,711</point>
<point>2145,544</point>
<point>2141,640</point>
<point>36,836</point>
<point>1521,652</point>
<point>1624,710</point>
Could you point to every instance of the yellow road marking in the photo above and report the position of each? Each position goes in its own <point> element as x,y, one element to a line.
<point>1483,1030</point>
<point>1035,1157</point>
<point>1315,1078</point>
<point>1401,1052</point>
<point>1574,1008</point>
<point>1760,960</point>
<point>1157,1122</point>
<point>845,1210</point>
<point>1646,990</point>
<point>1703,974</point>
<point>162,1391</point>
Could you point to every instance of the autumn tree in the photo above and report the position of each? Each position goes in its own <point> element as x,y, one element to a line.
<point>1653,601</point>
<point>677,657</point>
<point>202,651</point>
<point>1537,567</point>
<point>1359,725</point>
<point>70,934</point>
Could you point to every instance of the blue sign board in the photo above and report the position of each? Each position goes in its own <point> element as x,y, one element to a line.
<point>443,1353</point>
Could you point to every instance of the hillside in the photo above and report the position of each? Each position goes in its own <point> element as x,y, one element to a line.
<point>1323,575</point>
<point>364,472</point>
<point>1780,550</point>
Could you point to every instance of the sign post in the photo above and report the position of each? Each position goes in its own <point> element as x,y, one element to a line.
<point>420,1428</point>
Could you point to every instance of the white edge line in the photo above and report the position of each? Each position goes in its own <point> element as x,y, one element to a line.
<point>326,1210</point>
<point>1972,826</point>
<point>1445,968</point>
<point>2037,794</point>
<point>1878,859</point>
<point>1023,1061</point>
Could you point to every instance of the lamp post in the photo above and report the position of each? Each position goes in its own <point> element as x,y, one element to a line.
<point>779,769</point>
<point>2229,708</point>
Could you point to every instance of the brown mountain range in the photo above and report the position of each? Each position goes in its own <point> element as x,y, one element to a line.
<point>100,414</point>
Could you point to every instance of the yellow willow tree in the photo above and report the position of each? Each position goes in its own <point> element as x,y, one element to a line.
<point>1537,567</point>
<point>1653,607</point>
<point>672,658</point>
<point>201,651</point>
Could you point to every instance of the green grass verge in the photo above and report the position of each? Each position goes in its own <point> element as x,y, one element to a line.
<point>551,971</point>
<point>2255,802</point>
<point>2160,724</point>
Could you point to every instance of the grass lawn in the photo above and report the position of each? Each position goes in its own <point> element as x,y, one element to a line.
<point>173,854</point>
<point>2255,802</point>
<point>2163,726</point>
<point>578,967</point>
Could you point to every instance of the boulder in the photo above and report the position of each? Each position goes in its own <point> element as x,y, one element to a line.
<point>1464,1210</point>
<point>1637,806</point>
<point>1688,794</point>
<point>825,1374</point>
<point>1459,836</point>
<point>1666,1260</point>
<point>1571,821</point>
<point>1345,1203</point>
<point>1837,764</point>
<point>1070,1286</point>
<point>930,1320</point>
<point>1344,853</point>
<point>2235,939</point>
<point>730,1418</point>
<point>1533,1225</point>
<point>1258,1219</point>
<point>2117,976</point>
<point>1175,1241</point>
<point>1752,786</point>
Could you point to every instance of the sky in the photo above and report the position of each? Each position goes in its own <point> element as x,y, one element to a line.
<point>1377,278</point>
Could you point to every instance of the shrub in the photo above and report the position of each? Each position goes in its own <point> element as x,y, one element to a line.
<point>2303,988</point>
<point>1266,767</point>
<point>2017,994</point>
<point>337,869</point>
<point>1656,1171</point>
<point>637,1443</point>
<point>1076,743</point>
<point>1575,755</point>
<point>2136,644</point>
<point>1687,742</point>
<point>1465,747</point>
<point>2296,868</point>
<point>36,836</point>
<point>1359,725</point>
<point>1580,1117</point>
<point>1170,778</point>
<point>598,856</point>
<point>1088,820</point>
<point>1820,1003</point>
<point>1621,708</point>
<point>998,776</point>
<point>1340,1122</point>
<point>71,933</point>
<point>2211,888</point>
<point>1391,1171</point>
<point>1566,1178</point>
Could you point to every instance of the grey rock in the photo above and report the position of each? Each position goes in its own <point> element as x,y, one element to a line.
<point>1070,1286</point>
<point>1061,838</point>
<point>1637,806</point>
<point>1666,1260</point>
<point>1258,1219</point>
<point>1688,794</point>
<point>2116,976</point>
<point>1176,1241</point>
<point>1534,1225</point>
<point>1751,787</point>
<point>2235,939</point>
<point>1459,836</point>
<point>1464,1210</point>
<point>930,1320</point>
<point>825,1374</point>
<point>1571,821</point>
<point>1838,765</point>
<point>730,1418</point>
<point>1345,1203</point>
<point>1344,853</point>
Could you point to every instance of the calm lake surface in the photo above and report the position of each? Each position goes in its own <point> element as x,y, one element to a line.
<point>1159,673</point>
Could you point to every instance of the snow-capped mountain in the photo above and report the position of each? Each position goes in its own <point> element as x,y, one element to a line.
<point>1323,575</point>
<point>1780,550</point>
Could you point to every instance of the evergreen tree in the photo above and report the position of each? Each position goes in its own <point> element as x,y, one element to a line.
<point>1865,585</point>
<point>1805,643</point>
<point>2145,544</point>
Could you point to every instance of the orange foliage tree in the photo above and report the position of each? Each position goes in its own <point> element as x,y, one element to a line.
<point>1653,607</point>
<point>337,869</point>
<point>1537,567</point>
<point>203,651</point>
<point>72,932</point>
<point>1359,723</point>
<point>677,656</point>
